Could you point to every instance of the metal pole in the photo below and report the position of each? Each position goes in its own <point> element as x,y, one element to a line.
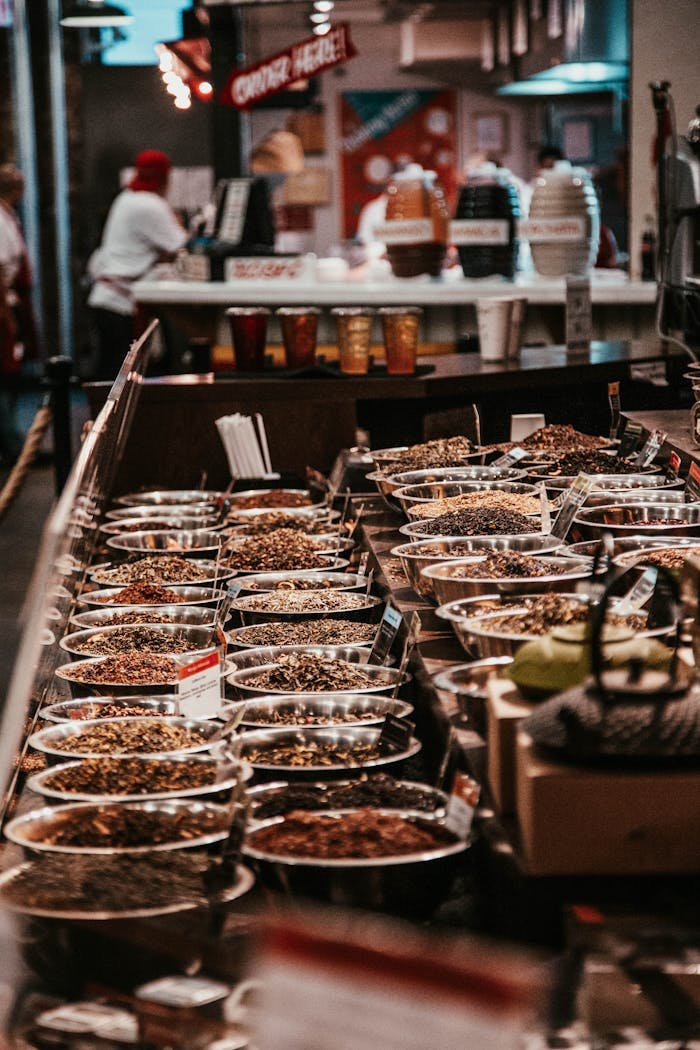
<point>59,371</point>
<point>230,127</point>
<point>25,142</point>
<point>60,179</point>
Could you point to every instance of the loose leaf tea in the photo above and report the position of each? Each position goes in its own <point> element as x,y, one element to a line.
<point>302,601</point>
<point>119,619</point>
<point>131,639</point>
<point>310,632</point>
<point>142,594</point>
<point>271,498</point>
<point>552,610</point>
<point>156,568</point>
<point>124,776</point>
<point>442,452</point>
<point>152,736</point>
<point>308,673</point>
<point>365,833</point>
<point>275,519</point>
<point>277,551</point>
<point>487,499</point>
<point>130,668</point>
<point>475,522</point>
<point>310,753</point>
<point>501,564</point>
<point>123,826</point>
<point>379,791</point>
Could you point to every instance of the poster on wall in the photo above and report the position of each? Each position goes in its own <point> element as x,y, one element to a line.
<point>384,130</point>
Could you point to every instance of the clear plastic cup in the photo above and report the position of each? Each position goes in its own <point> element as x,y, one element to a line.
<point>248,335</point>
<point>400,325</point>
<point>299,325</point>
<point>354,328</point>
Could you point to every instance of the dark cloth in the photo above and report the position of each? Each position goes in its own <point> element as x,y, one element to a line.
<point>115,333</point>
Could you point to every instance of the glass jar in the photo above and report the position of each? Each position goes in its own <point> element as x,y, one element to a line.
<point>354,328</point>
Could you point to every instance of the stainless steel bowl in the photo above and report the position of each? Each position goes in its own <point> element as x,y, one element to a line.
<point>665,497</point>
<point>631,518</point>
<point>269,654</point>
<point>271,795</point>
<point>369,611</point>
<point>240,497</point>
<point>26,831</point>
<point>277,581</point>
<point>316,512</point>
<point>165,522</point>
<point>460,613</point>
<point>45,740</point>
<point>380,456</point>
<point>68,672</point>
<point>449,588</point>
<point>198,637</point>
<point>346,737</point>
<point>467,685</point>
<point>632,558</point>
<point>202,597</point>
<point>649,479</point>
<point>415,530</point>
<point>414,559</point>
<point>204,543</point>
<point>229,777</point>
<point>242,638</point>
<point>459,474</point>
<point>411,885</point>
<point>587,548</point>
<point>386,678</point>
<point>193,615</point>
<point>90,707</point>
<point>215,573</point>
<point>420,495</point>
<point>310,712</point>
<point>165,497</point>
<point>204,513</point>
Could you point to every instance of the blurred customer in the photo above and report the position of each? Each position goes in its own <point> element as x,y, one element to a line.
<point>141,230</point>
<point>18,336</point>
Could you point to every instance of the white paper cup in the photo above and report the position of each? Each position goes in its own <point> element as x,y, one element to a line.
<point>522,425</point>
<point>493,322</point>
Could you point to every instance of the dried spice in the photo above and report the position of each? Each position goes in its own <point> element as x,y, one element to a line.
<point>140,737</point>
<point>311,753</point>
<point>573,463</point>
<point>127,669</point>
<point>646,522</point>
<point>443,452</point>
<point>271,498</point>
<point>150,525</point>
<point>557,438</point>
<point>379,791</point>
<point>299,717</point>
<point>667,557</point>
<point>60,883</point>
<point>262,523</point>
<point>142,594</point>
<point>155,568</point>
<point>310,632</point>
<point>124,776</point>
<point>308,673</point>
<point>296,583</point>
<point>487,499</point>
<point>302,601</point>
<point>473,522</point>
<point>123,618</point>
<point>124,826</point>
<point>277,551</point>
<point>501,564</point>
<point>553,610</point>
<point>89,711</point>
<point>136,639</point>
<point>365,833</point>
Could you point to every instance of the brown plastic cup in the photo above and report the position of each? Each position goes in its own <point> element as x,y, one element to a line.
<point>248,334</point>
<point>299,325</point>
<point>400,325</point>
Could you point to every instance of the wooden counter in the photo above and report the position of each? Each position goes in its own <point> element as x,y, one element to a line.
<point>308,419</point>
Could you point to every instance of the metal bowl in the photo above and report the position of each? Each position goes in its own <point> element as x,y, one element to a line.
<point>269,654</point>
<point>420,495</point>
<point>621,544</point>
<point>276,581</point>
<point>215,574</point>
<point>631,518</point>
<point>449,588</point>
<point>24,830</point>
<point>368,611</point>
<point>78,688</point>
<point>90,707</point>
<point>237,518</point>
<point>347,737</point>
<point>467,685</point>
<point>461,612</point>
<point>202,597</point>
<point>459,474</point>
<point>163,522</point>
<point>332,564</point>
<point>411,885</point>
<point>45,740</point>
<point>203,543</point>
<point>314,713</point>
<point>387,678</point>
<point>239,497</point>
<point>204,513</point>
<point>414,559</point>
<point>198,637</point>
<point>379,456</point>
<point>633,558</point>
<point>649,479</point>
<point>193,615</point>
<point>661,497</point>
<point>240,638</point>
<point>166,497</point>
<point>262,796</point>
<point>38,782</point>
<point>415,530</point>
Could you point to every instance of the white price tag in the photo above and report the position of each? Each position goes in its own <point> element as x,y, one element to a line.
<point>405,231</point>
<point>199,687</point>
<point>462,804</point>
<point>568,229</point>
<point>479,231</point>
<point>544,508</point>
<point>575,498</point>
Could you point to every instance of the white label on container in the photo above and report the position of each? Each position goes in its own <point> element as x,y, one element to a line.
<point>479,231</point>
<point>199,687</point>
<point>569,228</point>
<point>405,231</point>
<point>265,269</point>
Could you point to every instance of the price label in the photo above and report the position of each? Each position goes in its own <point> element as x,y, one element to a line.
<point>364,561</point>
<point>384,638</point>
<point>579,314</point>
<point>395,735</point>
<point>414,627</point>
<point>629,440</point>
<point>405,231</point>
<point>569,229</point>
<point>510,458</point>
<point>544,508</point>
<point>479,231</point>
<point>639,594</point>
<point>692,485</point>
<point>224,607</point>
<point>614,402</point>
<point>199,687</point>
<point>575,498</point>
<point>651,446</point>
<point>462,804</point>
<point>674,465</point>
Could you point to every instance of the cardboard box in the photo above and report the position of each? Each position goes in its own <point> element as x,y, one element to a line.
<point>595,821</point>
<point>311,186</point>
<point>504,710</point>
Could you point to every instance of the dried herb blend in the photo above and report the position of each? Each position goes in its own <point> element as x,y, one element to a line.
<point>308,673</point>
<point>475,522</point>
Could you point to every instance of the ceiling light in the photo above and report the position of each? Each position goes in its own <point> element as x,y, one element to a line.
<point>322,29</point>
<point>319,17</point>
<point>183,102</point>
<point>94,14</point>
<point>205,88</point>
<point>323,5</point>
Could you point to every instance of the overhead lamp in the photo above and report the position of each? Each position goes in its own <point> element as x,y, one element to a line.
<point>94,14</point>
<point>323,5</point>
<point>318,17</point>
<point>322,29</point>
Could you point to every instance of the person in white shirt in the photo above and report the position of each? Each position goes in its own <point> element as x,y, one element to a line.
<point>141,230</point>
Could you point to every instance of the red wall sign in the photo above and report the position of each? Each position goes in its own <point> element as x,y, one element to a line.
<point>312,55</point>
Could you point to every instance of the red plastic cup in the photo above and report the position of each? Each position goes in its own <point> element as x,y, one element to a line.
<point>248,335</point>
<point>299,325</point>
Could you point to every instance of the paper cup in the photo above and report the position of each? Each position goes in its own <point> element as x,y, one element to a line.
<point>493,321</point>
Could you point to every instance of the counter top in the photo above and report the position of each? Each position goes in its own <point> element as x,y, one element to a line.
<point>607,287</point>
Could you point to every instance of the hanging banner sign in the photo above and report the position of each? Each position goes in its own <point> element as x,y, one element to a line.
<point>245,87</point>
